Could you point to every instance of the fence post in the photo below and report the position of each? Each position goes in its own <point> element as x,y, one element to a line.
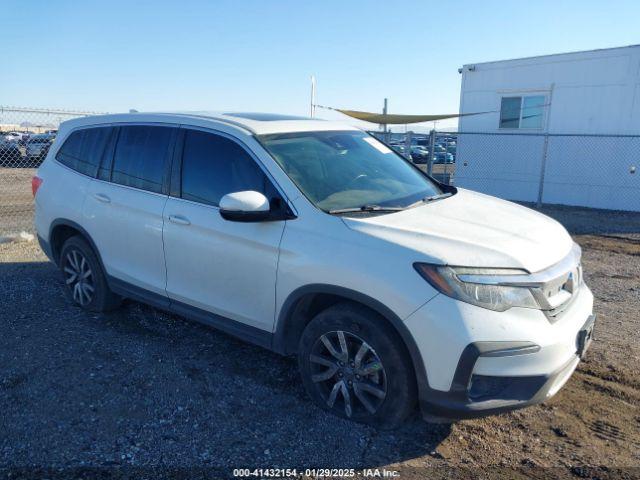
<point>445,179</point>
<point>432,142</point>
<point>543,168</point>
<point>407,144</point>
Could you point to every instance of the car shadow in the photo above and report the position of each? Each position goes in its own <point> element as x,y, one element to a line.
<point>152,387</point>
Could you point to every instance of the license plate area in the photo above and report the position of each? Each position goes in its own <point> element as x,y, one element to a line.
<point>585,336</point>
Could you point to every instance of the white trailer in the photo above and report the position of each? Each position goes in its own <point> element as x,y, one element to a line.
<point>559,128</point>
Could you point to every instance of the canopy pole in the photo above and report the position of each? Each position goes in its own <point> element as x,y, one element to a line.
<point>384,112</point>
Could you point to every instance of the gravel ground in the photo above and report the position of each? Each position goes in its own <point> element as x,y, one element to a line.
<point>140,392</point>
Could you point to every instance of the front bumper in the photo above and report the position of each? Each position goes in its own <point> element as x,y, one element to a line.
<point>484,395</point>
<point>479,362</point>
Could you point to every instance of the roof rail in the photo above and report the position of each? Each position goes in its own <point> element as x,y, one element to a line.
<point>220,118</point>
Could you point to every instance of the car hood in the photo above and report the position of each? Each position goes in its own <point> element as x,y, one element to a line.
<point>472,229</point>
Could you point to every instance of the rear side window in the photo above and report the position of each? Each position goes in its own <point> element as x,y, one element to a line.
<point>213,166</point>
<point>140,156</point>
<point>84,149</point>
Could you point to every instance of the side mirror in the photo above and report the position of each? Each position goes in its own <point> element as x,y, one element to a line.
<point>246,206</point>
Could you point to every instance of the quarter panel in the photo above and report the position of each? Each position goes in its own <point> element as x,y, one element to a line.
<point>61,195</point>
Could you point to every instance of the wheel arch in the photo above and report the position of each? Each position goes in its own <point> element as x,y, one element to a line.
<point>61,230</point>
<point>303,303</point>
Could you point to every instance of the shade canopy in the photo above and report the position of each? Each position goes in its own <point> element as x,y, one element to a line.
<point>388,119</point>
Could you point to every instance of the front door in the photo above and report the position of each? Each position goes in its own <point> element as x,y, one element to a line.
<point>220,266</point>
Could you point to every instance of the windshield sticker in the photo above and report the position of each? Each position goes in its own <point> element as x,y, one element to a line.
<point>379,146</point>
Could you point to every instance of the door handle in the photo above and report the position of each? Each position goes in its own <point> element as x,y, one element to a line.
<point>101,197</point>
<point>179,219</point>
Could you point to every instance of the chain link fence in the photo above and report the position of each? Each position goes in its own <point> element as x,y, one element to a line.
<point>596,171</point>
<point>26,134</point>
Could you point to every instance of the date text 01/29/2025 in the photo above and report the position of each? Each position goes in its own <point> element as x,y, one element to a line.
<point>315,473</point>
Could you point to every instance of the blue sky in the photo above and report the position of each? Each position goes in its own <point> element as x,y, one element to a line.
<point>258,55</point>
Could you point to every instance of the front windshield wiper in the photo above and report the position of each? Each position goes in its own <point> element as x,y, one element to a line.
<point>378,208</point>
<point>366,208</point>
<point>431,198</point>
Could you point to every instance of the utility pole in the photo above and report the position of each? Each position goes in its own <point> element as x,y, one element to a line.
<point>312,108</point>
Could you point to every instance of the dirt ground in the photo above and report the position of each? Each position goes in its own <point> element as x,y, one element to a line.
<point>16,200</point>
<point>149,392</point>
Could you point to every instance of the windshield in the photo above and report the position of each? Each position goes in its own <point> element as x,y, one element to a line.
<point>339,170</point>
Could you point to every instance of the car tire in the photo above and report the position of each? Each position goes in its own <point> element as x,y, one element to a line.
<point>84,278</point>
<point>354,365</point>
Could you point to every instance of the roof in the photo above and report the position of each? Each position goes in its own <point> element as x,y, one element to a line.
<point>597,50</point>
<point>256,123</point>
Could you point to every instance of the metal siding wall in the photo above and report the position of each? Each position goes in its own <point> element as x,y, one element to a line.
<point>507,166</point>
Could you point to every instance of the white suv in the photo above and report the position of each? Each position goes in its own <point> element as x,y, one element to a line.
<point>313,238</point>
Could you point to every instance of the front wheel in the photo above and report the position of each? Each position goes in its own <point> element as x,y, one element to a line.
<point>354,365</point>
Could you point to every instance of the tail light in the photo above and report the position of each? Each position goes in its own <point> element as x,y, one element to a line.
<point>35,184</point>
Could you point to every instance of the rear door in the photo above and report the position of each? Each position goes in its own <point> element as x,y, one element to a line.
<point>124,205</point>
<point>219,266</point>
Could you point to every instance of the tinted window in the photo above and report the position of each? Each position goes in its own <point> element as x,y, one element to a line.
<point>140,157</point>
<point>84,149</point>
<point>213,166</point>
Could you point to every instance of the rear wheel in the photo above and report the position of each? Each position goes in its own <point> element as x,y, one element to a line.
<point>84,278</point>
<point>354,365</point>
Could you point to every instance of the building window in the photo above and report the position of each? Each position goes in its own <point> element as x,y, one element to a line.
<point>522,112</point>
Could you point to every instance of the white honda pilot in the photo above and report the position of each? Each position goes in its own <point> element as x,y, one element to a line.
<point>313,238</point>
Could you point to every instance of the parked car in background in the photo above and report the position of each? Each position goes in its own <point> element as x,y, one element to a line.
<point>452,149</point>
<point>13,136</point>
<point>401,149</point>
<point>37,148</point>
<point>439,148</point>
<point>442,158</point>
<point>23,136</point>
<point>314,239</point>
<point>419,154</point>
<point>10,153</point>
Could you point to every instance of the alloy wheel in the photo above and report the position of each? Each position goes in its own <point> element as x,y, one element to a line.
<point>79,277</point>
<point>348,374</point>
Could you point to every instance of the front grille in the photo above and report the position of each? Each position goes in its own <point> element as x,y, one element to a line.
<point>556,295</point>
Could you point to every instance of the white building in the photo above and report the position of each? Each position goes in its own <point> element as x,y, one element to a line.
<point>588,103</point>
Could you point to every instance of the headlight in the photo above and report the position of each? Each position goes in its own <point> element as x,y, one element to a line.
<point>484,287</point>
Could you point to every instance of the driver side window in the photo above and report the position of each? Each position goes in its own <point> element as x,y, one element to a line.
<point>213,166</point>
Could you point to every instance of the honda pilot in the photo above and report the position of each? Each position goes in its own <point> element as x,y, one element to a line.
<point>313,238</point>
